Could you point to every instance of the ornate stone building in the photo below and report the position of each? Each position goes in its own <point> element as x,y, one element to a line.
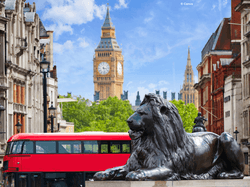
<point>108,63</point>
<point>21,83</point>
<point>189,94</point>
<point>243,7</point>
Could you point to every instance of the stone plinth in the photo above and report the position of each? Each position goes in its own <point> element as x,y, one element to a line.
<point>184,183</point>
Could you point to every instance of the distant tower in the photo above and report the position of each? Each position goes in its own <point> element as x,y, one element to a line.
<point>138,100</point>
<point>124,96</point>
<point>164,95</point>
<point>108,63</point>
<point>172,96</point>
<point>157,92</point>
<point>189,94</point>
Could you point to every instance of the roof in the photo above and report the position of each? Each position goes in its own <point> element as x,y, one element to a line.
<point>44,41</point>
<point>10,4</point>
<point>108,44</point>
<point>107,22</point>
<point>219,40</point>
<point>29,16</point>
<point>43,32</point>
<point>70,136</point>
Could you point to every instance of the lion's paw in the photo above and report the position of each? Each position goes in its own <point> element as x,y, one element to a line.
<point>136,176</point>
<point>102,175</point>
<point>230,175</point>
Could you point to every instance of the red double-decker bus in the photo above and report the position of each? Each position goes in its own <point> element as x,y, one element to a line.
<point>60,159</point>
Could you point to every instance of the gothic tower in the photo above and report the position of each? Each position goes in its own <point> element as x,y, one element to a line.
<point>189,94</point>
<point>108,63</point>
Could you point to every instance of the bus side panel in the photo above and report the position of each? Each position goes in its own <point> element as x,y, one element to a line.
<point>72,162</point>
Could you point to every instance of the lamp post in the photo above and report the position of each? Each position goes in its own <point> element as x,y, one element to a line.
<point>18,126</point>
<point>52,113</point>
<point>44,68</point>
<point>236,132</point>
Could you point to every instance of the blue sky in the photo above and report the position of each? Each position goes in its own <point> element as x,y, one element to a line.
<point>154,36</point>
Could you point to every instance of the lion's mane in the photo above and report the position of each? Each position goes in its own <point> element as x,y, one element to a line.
<point>169,135</point>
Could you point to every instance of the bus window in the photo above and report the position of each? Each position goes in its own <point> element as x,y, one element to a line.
<point>46,147</point>
<point>115,147</point>
<point>17,147</point>
<point>90,147</point>
<point>104,147</point>
<point>125,147</point>
<point>9,146</point>
<point>77,148</point>
<point>69,147</point>
<point>28,147</point>
<point>64,147</point>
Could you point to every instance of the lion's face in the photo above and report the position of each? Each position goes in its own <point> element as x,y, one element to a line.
<point>142,119</point>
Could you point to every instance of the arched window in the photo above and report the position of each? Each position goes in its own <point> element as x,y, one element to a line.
<point>187,77</point>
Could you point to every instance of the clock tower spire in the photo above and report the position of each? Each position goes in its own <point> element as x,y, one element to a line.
<point>108,63</point>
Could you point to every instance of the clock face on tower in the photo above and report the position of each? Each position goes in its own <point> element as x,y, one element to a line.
<point>103,68</point>
<point>119,68</point>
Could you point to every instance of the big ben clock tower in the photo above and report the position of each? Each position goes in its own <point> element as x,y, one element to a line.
<point>108,63</point>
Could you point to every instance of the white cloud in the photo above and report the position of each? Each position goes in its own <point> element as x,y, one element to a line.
<point>224,3</point>
<point>65,13</point>
<point>121,4</point>
<point>219,5</point>
<point>148,19</point>
<point>130,82</point>
<point>74,12</point>
<point>163,82</point>
<point>59,29</point>
<point>60,48</point>
<point>82,30</point>
<point>141,31</point>
<point>152,86</point>
<point>214,6</point>
<point>83,42</point>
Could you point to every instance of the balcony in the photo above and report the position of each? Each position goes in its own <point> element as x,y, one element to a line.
<point>19,108</point>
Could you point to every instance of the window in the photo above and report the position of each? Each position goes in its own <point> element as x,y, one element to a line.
<point>104,147</point>
<point>69,147</point>
<point>9,146</point>
<point>115,147</point>
<point>126,147</point>
<point>28,147</point>
<point>17,147</point>
<point>90,147</point>
<point>46,147</point>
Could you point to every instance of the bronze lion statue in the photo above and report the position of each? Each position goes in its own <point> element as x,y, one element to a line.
<point>162,150</point>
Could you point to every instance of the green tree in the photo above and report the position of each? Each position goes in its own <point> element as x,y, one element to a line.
<point>187,112</point>
<point>109,115</point>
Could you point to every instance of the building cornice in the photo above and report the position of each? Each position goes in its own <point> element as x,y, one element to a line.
<point>246,63</point>
<point>21,70</point>
<point>242,5</point>
<point>203,80</point>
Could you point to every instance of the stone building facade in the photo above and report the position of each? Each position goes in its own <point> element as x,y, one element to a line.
<point>21,86</point>
<point>188,93</point>
<point>108,63</point>
<point>222,49</point>
<point>243,8</point>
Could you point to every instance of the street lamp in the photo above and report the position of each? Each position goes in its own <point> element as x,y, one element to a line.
<point>18,126</point>
<point>44,68</point>
<point>236,132</point>
<point>52,113</point>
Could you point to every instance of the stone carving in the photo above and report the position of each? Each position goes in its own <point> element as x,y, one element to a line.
<point>162,150</point>
<point>199,126</point>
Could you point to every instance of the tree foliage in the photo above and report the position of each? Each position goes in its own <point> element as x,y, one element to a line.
<point>187,112</point>
<point>109,115</point>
